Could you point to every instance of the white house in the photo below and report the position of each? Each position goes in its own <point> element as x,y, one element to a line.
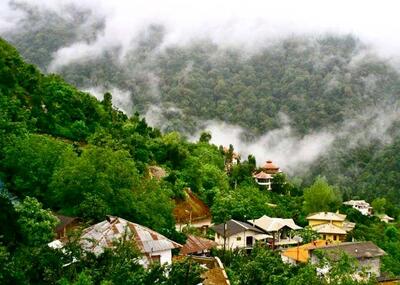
<point>360,205</point>
<point>235,234</point>
<point>154,246</point>
<point>280,229</point>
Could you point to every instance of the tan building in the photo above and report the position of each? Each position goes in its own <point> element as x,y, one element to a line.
<point>332,227</point>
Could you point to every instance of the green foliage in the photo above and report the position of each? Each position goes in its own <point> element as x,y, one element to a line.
<point>32,159</point>
<point>308,234</point>
<point>321,197</point>
<point>379,205</point>
<point>243,203</point>
<point>99,177</point>
<point>36,224</point>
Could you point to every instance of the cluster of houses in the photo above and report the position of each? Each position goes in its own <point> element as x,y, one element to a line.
<point>365,208</point>
<point>281,234</point>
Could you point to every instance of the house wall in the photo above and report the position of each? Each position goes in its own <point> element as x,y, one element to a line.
<point>369,265</point>
<point>313,223</point>
<point>235,241</point>
<point>288,260</point>
<point>330,237</point>
<point>165,258</point>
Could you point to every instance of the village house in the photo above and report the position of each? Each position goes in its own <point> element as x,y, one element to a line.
<point>232,158</point>
<point>235,234</point>
<point>360,205</point>
<point>197,246</point>
<point>280,230</point>
<point>157,172</point>
<point>300,254</point>
<point>367,254</point>
<point>385,218</point>
<point>191,212</point>
<point>154,246</point>
<point>266,173</point>
<point>65,225</point>
<point>332,227</point>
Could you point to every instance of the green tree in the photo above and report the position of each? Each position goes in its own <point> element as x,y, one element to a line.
<point>378,204</point>
<point>36,224</point>
<point>320,196</point>
<point>30,162</point>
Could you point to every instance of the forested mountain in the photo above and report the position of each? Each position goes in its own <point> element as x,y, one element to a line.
<point>324,83</point>
<point>62,149</point>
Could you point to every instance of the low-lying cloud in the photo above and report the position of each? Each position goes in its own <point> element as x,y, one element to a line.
<point>293,153</point>
<point>225,22</point>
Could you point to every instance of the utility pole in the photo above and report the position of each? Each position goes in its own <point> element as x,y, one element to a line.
<point>223,253</point>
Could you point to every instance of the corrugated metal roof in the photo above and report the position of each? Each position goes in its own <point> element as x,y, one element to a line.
<point>356,249</point>
<point>196,244</point>
<point>104,234</point>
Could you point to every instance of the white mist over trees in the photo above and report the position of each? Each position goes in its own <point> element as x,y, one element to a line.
<point>232,69</point>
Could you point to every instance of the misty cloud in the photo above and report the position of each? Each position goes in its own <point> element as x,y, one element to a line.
<point>294,153</point>
<point>225,22</point>
<point>120,99</point>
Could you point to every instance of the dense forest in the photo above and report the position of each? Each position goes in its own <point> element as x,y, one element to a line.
<point>64,151</point>
<point>327,83</point>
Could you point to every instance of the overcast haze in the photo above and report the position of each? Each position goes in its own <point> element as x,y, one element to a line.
<point>235,22</point>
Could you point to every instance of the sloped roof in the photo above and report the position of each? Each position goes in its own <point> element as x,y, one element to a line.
<point>356,249</point>
<point>190,208</point>
<point>301,253</point>
<point>157,172</point>
<point>269,224</point>
<point>104,234</point>
<point>64,222</point>
<point>233,227</point>
<point>196,244</point>
<point>270,167</point>
<point>262,175</point>
<point>348,226</point>
<point>329,229</point>
<point>385,217</point>
<point>327,216</point>
<point>357,202</point>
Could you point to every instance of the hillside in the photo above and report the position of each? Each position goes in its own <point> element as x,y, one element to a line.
<point>64,150</point>
<point>326,84</point>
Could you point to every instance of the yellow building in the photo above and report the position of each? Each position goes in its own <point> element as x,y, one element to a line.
<point>332,227</point>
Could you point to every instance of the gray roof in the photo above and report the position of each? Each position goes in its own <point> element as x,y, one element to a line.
<point>104,234</point>
<point>356,249</point>
<point>234,227</point>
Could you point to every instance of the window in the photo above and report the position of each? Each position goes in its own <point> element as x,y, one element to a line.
<point>239,238</point>
<point>334,237</point>
<point>323,236</point>
<point>156,258</point>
